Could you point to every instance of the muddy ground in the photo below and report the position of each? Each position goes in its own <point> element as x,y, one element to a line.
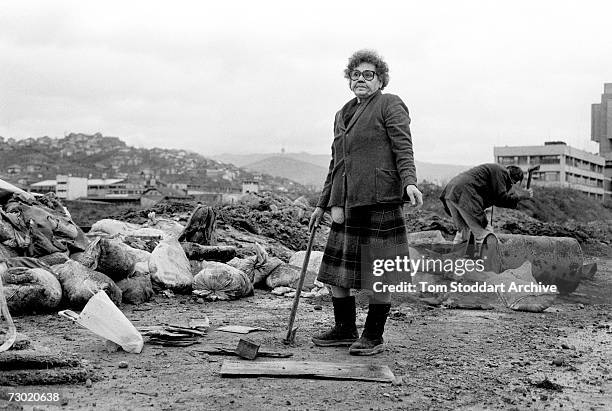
<point>447,358</point>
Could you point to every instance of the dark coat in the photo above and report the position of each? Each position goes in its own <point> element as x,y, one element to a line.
<point>478,188</point>
<point>372,160</point>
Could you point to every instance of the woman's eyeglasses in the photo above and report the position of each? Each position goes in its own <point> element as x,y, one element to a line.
<point>367,75</point>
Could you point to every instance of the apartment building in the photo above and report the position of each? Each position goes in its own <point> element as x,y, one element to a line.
<point>601,132</point>
<point>560,165</point>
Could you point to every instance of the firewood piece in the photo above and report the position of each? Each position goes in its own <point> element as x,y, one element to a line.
<point>220,253</point>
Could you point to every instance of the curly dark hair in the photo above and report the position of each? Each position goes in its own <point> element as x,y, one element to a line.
<point>372,57</point>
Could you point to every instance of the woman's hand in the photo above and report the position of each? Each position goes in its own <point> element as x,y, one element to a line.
<point>315,218</point>
<point>416,198</point>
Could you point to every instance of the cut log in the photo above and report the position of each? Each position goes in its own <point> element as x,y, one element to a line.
<point>31,360</point>
<point>308,369</point>
<point>220,253</point>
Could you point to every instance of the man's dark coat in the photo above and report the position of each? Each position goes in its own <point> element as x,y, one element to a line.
<point>478,188</point>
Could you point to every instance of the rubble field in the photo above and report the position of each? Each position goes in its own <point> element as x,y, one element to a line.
<point>448,359</point>
<point>442,356</point>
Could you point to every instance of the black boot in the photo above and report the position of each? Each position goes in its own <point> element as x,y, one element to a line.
<point>344,333</point>
<point>371,340</point>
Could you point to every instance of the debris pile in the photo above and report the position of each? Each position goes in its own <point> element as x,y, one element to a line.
<point>223,252</point>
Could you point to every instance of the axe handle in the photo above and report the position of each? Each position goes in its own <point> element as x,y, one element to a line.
<point>298,291</point>
<point>530,174</point>
<point>529,179</point>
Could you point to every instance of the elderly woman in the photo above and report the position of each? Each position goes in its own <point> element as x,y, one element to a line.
<point>370,175</point>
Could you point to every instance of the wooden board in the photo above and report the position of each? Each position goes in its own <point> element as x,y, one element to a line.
<point>239,329</point>
<point>308,369</point>
<point>232,351</point>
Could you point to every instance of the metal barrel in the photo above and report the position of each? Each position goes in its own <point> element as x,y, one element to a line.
<point>555,260</point>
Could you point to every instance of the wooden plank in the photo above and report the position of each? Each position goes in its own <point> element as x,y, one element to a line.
<point>232,351</point>
<point>308,369</point>
<point>239,329</point>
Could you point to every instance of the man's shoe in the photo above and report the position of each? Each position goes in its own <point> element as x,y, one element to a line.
<point>371,341</point>
<point>344,332</point>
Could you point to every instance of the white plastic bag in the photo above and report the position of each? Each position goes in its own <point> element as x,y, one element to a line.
<point>103,318</point>
<point>169,266</point>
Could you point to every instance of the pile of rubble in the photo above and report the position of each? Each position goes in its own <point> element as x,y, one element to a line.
<point>219,253</point>
<point>53,264</point>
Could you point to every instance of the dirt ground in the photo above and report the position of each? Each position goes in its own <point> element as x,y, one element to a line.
<point>447,358</point>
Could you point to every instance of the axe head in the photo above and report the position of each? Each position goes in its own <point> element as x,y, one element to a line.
<point>290,338</point>
<point>532,169</point>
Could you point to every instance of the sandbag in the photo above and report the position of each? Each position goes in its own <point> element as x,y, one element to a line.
<point>50,230</point>
<point>79,283</point>
<point>170,228</point>
<point>256,267</point>
<point>169,266</point>
<point>286,275</point>
<point>7,252</point>
<point>116,259</point>
<point>136,289</point>
<point>219,281</point>
<point>142,259</point>
<point>111,227</point>
<point>55,258</point>
<point>112,257</point>
<point>114,228</point>
<point>314,262</point>
<point>30,290</point>
<point>27,262</point>
<point>531,300</point>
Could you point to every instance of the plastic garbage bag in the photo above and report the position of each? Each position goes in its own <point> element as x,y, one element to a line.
<point>169,266</point>
<point>219,281</point>
<point>111,257</point>
<point>137,288</point>
<point>314,262</point>
<point>170,228</point>
<point>79,283</point>
<point>256,267</point>
<point>286,275</point>
<point>524,296</point>
<point>4,311</point>
<point>103,318</point>
<point>51,230</point>
<point>30,290</point>
<point>112,227</point>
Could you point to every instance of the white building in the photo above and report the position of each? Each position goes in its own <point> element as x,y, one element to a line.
<point>70,188</point>
<point>560,165</point>
<point>249,186</point>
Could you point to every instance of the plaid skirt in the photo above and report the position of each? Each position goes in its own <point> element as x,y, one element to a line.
<point>380,226</point>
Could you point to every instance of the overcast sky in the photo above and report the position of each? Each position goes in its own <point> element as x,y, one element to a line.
<point>257,76</point>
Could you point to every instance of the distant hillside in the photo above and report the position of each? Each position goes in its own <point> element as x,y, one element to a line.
<point>434,173</point>
<point>287,167</point>
<point>96,156</point>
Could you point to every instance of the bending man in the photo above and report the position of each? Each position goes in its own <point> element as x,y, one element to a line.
<point>467,195</point>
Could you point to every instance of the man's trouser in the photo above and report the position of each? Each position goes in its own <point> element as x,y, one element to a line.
<point>465,223</point>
